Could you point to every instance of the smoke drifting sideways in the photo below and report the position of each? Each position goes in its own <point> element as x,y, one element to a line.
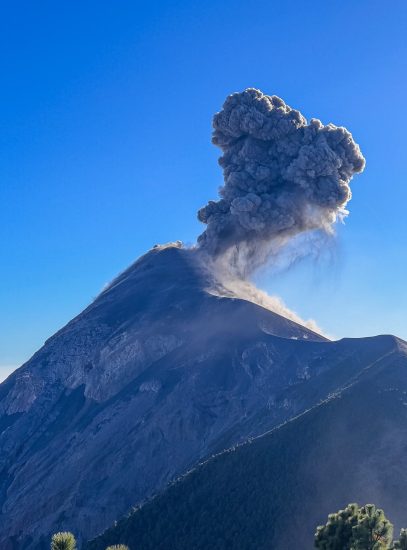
<point>283,177</point>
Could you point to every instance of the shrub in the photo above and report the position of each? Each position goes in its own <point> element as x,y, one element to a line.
<point>63,541</point>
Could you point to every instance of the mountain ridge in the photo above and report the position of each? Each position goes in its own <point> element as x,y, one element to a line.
<point>273,490</point>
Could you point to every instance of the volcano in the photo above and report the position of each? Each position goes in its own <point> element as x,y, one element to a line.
<point>157,374</point>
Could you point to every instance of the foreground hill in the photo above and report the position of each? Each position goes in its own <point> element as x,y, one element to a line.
<point>274,490</point>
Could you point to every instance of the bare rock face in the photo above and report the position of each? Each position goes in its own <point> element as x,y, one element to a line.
<point>156,374</point>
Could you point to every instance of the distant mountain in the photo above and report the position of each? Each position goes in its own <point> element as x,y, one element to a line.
<point>273,491</point>
<point>155,375</point>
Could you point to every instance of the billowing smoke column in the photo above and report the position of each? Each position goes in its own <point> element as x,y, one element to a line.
<point>282,177</point>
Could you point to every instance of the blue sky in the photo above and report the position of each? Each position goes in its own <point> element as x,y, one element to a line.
<point>106,114</point>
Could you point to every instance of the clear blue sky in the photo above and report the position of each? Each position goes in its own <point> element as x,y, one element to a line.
<point>106,114</point>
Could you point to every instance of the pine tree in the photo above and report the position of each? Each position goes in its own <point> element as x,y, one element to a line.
<point>337,533</point>
<point>401,544</point>
<point>373,530</point>
<point>63,541</point>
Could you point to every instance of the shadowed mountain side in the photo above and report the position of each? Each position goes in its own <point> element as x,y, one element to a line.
<point>274,491</point>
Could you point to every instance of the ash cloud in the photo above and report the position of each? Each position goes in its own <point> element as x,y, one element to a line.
<point>283,176</point>
<point>226,286</point>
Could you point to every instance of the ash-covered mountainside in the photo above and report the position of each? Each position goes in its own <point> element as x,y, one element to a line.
<point>273,491</point>
<point>155,375</point>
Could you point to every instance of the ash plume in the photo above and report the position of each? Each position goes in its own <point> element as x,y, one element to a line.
<point>283,176</point>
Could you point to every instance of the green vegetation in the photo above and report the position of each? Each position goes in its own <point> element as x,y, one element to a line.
<point>66,541</point>
<point>337,533</point>
<point>401,544</point>
<point>63,541</point>
<point>355,528</point>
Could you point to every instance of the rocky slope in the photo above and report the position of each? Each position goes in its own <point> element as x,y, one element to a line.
<point>275,490</point>
<point>156,374</point>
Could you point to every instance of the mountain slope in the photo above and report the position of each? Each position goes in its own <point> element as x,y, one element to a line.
<point>274,491</point>
<point>155,375</point>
